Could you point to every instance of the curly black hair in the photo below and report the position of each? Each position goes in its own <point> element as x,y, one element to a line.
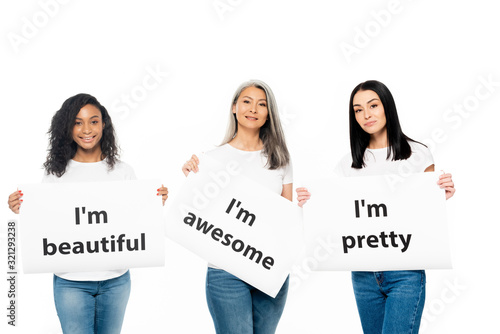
<point>62,147</point>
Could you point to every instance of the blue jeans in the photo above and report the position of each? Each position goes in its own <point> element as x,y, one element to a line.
<point>85,307</point>
<point>239,308</point>
<point>389,302</point>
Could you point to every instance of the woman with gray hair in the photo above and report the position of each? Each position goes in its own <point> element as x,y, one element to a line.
<point>255,140</point>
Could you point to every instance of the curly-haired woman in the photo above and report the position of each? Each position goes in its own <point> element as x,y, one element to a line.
<point>82,148</point>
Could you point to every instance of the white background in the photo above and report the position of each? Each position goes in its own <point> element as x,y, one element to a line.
<point>431,54</point>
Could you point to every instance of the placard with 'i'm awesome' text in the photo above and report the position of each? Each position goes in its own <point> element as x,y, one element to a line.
<point>236,224</point>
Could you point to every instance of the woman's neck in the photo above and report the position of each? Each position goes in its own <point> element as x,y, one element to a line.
<point>247,141</point>
<point>88,156</point>
<point>378,140</point>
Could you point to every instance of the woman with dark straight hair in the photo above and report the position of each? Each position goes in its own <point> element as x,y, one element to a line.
<point>389,302</point>
<point>83,148</point>
<point>255,141</point>
<point>398,144</point>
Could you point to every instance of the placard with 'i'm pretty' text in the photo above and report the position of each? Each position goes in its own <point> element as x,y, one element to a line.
<point>371,223</point>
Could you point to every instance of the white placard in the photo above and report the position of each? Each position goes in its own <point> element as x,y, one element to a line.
<point>91,226</point>
<point>372,223</point>
<point>236,224</point>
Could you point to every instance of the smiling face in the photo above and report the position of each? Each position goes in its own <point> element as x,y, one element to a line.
<point>88,129</point>
<point>251,108</point>
<point>369,112</point>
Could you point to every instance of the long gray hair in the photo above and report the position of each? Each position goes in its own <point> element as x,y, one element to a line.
<point>271,133</point>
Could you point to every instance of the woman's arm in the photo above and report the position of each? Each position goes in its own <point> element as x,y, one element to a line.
<point>287,191</point>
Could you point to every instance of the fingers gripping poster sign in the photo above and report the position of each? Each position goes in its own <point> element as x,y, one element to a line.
<point>236,224</point>
<point>374,224</point>
<point>91,226</point>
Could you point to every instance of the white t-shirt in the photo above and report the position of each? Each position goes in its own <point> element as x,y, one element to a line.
<point>252,164</point>
<point>377,163</point>
<point>92,172</point>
